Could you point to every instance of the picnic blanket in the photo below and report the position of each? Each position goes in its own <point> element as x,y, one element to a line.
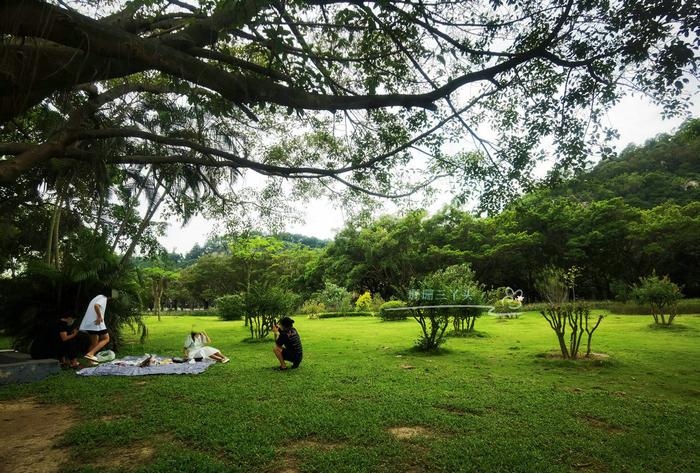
<point>128,366</point>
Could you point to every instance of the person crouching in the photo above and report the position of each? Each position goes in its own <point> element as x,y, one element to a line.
<point>287,344</point>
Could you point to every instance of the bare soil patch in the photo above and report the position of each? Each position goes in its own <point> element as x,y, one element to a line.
<point>602,425</point>
<point>32,432</point>
<point>411,432</point>
<point>318,444</point>
<point>593,466</point>
<point>125,458</point>
<point>113,417</point>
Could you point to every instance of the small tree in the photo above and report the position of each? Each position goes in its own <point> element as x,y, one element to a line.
<point>577,317</point>
<point>454,285</point>
<point>433,322</point>
<point>661,295</point>
<point>264,306</point>
<point>552,286</point>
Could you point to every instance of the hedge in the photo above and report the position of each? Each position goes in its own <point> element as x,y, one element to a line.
<point>388,315</point>
<point>332,315</point>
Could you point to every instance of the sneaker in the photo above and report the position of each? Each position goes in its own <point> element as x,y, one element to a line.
<point>91,358</point>
<point>226,360</point>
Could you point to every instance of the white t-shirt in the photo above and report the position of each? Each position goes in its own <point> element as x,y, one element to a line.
<point>90,317</point>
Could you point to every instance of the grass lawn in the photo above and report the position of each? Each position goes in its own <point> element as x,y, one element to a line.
<point>364,401</point>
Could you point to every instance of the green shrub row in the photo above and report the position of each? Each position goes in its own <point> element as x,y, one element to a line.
<point>333,315</point>
<point>685,306</point>
<point>389,315</point>
<point>188,312</point>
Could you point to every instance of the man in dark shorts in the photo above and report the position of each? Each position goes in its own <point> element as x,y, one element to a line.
<point>94,324</point>
<point>287,344</point>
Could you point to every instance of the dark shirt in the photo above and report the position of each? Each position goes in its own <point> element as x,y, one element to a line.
<point>290,340</point>
<point>64,326</point>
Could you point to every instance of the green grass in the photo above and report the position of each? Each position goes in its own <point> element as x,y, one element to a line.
<point>490,403</point>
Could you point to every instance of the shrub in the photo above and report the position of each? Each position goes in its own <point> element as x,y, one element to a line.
<point>364,302</point>
<point>312,307</point>
<point>683,306</point>
<point>578,318</point>
<point>334,297</point>
<point>231,306</point>
<point>377,302</point>
<point>389,315</point>
<point>661,295</point>
<point>506,302</point>
<point>620,290</point>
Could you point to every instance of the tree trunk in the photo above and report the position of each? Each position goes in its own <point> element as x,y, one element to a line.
<point>562,345</point>
<point>118,235</point>
<point>142,227</point>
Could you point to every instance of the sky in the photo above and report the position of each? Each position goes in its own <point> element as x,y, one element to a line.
<point>635,118</point>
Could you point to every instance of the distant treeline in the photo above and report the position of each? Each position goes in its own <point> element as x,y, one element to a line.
<point>622,220</point>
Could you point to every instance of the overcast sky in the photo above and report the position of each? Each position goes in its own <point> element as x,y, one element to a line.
<point>635,118</point>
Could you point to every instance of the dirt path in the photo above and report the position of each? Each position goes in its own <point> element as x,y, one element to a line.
<point>30,433</point>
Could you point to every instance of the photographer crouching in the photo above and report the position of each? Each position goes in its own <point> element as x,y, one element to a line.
<point>287,344</point>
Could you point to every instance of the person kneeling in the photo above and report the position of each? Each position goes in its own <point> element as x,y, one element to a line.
<point>195,348</point>
<point>287,344</point>
<point>67,334</point>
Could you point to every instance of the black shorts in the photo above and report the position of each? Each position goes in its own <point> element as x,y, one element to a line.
<point>291,356</point>
<point>97,332</point>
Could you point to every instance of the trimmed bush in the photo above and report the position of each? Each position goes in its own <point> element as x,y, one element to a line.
<point>231,307</point>
<point>389,315</point>
<point>364,302</point>
<point>333,315</point>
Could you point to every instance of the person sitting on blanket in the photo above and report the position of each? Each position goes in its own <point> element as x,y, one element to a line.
<point>195,348</point>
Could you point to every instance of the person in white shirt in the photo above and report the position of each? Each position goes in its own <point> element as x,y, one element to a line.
<point>94,324</point>
<point>195,348</point>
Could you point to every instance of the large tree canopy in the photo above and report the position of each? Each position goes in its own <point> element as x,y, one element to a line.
<point>344,92</point>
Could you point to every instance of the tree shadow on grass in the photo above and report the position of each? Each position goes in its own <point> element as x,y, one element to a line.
<point>472,334</point>
<point>257,340</point>
<point>671,328</point>
<point>416,351</point>
<point>554,360</point>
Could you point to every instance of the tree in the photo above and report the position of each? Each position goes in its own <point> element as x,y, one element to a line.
<point>265,305</point>
<point>212,276</point>
<point>578,318</point>
<point>268,86</point>
<point>661,295</point>
<point>159,279</point>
